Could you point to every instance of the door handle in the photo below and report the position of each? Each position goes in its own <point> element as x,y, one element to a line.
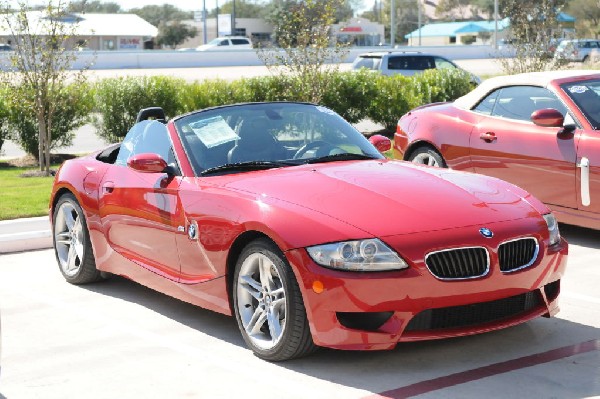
<point>108,187</point>
<point>488,137</point>
<point>584,164</point>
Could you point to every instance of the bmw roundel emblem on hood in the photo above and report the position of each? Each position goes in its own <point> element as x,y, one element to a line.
<point>487,233</point>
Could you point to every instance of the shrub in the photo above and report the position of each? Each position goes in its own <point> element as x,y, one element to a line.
<point>395,96</point>
<point>440,85</point>
<point>72,110</point>
<point>118,101</point>
<point>351,93</point>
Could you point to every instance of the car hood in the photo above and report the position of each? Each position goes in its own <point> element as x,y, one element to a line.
<point>389,197</point>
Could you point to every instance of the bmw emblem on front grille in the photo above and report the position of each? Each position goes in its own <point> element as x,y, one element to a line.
<point>487,233</point>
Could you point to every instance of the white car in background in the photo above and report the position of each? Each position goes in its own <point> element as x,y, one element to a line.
<point>226,44</point>
<point>582,50</point>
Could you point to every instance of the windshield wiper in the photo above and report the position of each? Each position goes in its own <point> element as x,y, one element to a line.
<point>247,166</point>
<point>342,157</point>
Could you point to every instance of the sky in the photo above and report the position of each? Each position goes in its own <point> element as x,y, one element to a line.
<point>182,4</point>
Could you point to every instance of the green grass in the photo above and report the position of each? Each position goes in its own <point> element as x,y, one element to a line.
<point>23,196</point>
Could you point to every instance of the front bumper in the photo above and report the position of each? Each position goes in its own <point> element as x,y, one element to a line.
<point>376,310</point>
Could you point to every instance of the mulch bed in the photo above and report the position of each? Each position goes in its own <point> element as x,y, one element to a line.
<point>29,161</point>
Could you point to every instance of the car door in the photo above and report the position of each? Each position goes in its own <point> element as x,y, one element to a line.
<point>506,144</point>
<point>141,212</point>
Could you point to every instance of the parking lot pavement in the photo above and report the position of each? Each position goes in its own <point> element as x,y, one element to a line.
<point>119,339</point>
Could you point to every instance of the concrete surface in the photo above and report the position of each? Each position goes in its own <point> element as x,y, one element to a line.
<point>25,234</point>
<point>117,339</point>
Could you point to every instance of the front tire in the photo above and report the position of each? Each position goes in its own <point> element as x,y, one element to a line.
<point>268,304</point>
<point>427,156</point>
<point>72,244</point>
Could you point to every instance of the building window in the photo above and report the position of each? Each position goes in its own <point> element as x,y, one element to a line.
<point>452,39</point>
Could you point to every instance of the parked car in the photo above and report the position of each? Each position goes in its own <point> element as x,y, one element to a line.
<point>405,63</point>
<point>577,49</point>
<point>5,47</point>
<point>226,44</point>
<point>285,216</point>
<point>536,130</point>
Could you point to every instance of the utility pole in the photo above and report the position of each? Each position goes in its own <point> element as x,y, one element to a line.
<point>233,30</point>
<point>420,19</point>
<point>496,24</point>
<point>393,24</point>
<point>204,32</point>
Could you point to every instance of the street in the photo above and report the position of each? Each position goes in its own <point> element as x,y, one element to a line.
<point>120,339</point>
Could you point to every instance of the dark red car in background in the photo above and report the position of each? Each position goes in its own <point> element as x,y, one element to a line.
<point>536,130</point>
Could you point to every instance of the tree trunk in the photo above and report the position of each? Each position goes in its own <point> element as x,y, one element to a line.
<point>44,145</point>
<point>48,142</point>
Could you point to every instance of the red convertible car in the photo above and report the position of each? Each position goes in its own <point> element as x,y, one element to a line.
<point>539,131</point>
<point>285,216</point>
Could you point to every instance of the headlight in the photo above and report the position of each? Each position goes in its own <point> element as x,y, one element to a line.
<point>552,228</point>
<point>362,255</point>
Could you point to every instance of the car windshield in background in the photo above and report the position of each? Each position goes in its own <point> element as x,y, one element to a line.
<point>368,62</point>
<point>586,94</point>
<point>239,138</point>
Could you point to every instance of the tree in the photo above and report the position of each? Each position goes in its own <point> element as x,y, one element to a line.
<point>41,64</point>
<point>165,13</point>
<point>587,13</point>
<point>532,26</point>
<point>302,30</point>
<point>453,9</point>
<point>407,16</point>
<point>94,6</point>
<point>243,9</point>
<point>174,33</point>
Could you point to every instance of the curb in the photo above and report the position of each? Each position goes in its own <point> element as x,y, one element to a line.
<point>25,234</point>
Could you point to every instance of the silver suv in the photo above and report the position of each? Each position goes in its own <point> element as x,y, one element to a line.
<point>577,50</point>
<point>405,63</point>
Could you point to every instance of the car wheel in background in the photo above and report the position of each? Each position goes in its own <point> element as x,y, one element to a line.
<point>72,244</point>
<point>268,304</point>
<point>427,156</point>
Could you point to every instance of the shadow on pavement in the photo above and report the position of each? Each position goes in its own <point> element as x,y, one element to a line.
<point>581,236</point>
<point>209,322</point>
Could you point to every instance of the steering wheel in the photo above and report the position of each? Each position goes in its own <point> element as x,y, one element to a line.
<point>320,144</point>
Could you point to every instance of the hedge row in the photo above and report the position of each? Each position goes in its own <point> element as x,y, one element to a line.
<point>112,104</point>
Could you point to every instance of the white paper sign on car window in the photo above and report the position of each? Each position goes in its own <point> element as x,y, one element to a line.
<point>214,131</point>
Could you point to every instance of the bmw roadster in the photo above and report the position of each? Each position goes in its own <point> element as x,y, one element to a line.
<point>286,217</point>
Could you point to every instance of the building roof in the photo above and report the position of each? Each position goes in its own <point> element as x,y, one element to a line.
<point>94,24</point>
<point>454,28</point>
<point>541,79</point>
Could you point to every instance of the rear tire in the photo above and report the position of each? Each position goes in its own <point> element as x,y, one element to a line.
<point>72,245</point>
<point>268,304</point>
<point>427,156</point>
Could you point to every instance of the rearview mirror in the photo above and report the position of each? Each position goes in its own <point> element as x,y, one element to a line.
<point>380,142</point>
<point>548,117</point>
<point>147,163</point>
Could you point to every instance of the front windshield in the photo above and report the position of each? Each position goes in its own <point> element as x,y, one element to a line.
<point>282,134</point>
<point>586,95</point>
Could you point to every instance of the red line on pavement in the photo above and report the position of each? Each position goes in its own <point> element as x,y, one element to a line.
<point>422,387</point>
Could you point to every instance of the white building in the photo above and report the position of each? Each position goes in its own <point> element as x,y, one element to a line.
<point>93,31</point>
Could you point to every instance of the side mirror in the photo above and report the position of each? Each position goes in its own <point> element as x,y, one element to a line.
<point>380,142</point>
<point>147,163</point>
<point>548,117</point>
